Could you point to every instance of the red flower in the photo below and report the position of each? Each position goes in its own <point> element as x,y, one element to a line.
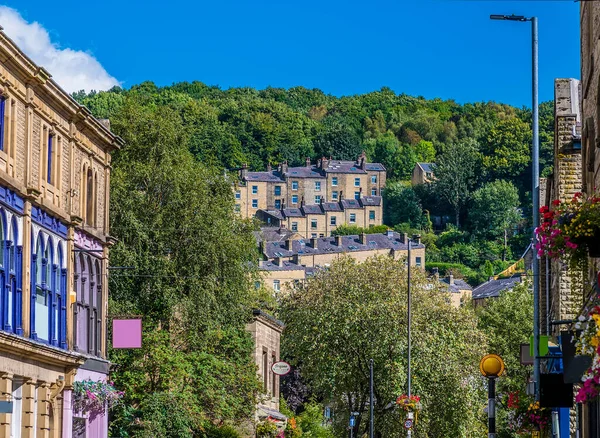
<point>544,209</point>
<point>556,202</point>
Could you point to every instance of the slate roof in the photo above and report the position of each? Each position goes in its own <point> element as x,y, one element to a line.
<point>334,166</point>
<point>331,206</point>
<point>458,286</point>
<point>263,177</point>
<point>339,166</point>
<point>427,167</point>
<point>492,288</point>
<point>370,201</point>
<point>350,203</point>
<point>327,245</point>
<point>292,212</point>
<point>272,234</point>
<point>312,209</point>
<point>304,172</point>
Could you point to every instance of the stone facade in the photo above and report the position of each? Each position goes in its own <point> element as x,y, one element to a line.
<point>54,180</point>
<point>266,333</point>
<point>566,180</point>
<point>290,261</point>
<point>278,197</point>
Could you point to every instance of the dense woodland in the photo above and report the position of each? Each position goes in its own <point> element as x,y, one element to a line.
<point>193,260</point>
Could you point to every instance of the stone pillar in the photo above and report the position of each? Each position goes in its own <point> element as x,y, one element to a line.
<point>43,411</point>
<point>5,395</point>
<point>29,409</point>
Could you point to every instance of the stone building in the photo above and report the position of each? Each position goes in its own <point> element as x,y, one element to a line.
<point>54,198</point>
<point>562,184</point>
<point>266,334</point>
<point>289,261</point>
<point>422,174</point>
<point>307,193</point>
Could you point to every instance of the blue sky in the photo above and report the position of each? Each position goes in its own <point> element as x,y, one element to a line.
<point>433,48</point>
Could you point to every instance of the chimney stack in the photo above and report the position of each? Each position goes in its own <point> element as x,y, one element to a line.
<point>279,261</point>
<point>363,238</point>
<point>284,167</point>
<point>314,242</point>
<point>338,240</point>
<point>269,169</point>
<point>405,238</point>
<point>324,163</point>
<point>436,273</point>
<point>244,171</point>
<point>416,239</point>
<point>451,279</point>
<point>288,244</point>
<point>389,233</point>
<point>307,161</point>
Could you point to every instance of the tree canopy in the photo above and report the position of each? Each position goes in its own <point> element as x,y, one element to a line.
<point>354,312</point>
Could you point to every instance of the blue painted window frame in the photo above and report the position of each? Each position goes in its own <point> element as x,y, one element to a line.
<point>54,288</point>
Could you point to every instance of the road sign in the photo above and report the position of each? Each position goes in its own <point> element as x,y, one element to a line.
<point>408,424</point>
<point>281,368</point>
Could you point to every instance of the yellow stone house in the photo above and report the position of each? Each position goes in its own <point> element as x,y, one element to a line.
<point>54,198</point>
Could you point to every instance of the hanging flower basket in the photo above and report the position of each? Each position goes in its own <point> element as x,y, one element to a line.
<point>571,230</point>
<point>95,396</point>
<point>409,404</point>
<point>588,344</point>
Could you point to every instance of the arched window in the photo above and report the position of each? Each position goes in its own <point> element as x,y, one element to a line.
<point>88,304</point>
<point>59,310</point>
<point>15,280</point>
<point>89,214</point>
<point>48,285</point>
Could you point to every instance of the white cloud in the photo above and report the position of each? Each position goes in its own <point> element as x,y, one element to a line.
<point>73,70</point>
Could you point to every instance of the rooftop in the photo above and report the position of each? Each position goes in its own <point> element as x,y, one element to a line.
<point>326,245</point>
<point>427,167</point>
<point>492,288</point>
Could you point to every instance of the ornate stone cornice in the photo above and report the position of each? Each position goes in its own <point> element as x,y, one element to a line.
<point>38,351</point>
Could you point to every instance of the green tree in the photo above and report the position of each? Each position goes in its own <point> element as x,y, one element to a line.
<point>191,255</point>
<point>495,210</point>
<point>508,323</point>
<point>402,205</point>
<point>353,312</point>
<point>507,148</point>
<point>456,171</point>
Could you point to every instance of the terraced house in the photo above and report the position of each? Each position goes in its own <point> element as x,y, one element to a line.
<point>315,199</point>
<point>54,199</point>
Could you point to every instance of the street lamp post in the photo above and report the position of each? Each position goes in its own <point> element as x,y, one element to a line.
<point>535,148</point>
<point>409,324</point>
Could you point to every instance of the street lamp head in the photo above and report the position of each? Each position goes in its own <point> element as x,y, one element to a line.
<point>512,17</point>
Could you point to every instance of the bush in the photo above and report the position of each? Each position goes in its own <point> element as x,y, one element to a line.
<point>353,230</point>
<point>221,432</point>
<point>266,429</point>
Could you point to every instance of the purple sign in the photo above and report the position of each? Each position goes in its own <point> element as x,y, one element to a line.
<point>127,333</point>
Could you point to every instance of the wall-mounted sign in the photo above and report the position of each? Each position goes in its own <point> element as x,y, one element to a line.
<point>281,368</point>
<point>127,333</point>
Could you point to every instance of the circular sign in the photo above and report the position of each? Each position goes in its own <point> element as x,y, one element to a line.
<point>491,365</point>
<point>408,424</point>
<point>281,368</point>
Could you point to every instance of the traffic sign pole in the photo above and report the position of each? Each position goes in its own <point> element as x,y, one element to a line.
<point>491,407</point>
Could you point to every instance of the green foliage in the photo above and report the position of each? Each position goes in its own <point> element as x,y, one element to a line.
<point>495,211</point>
<point>507,148</point>
<point>266,429</point>
<point>508,322</point>
<point>333,320</point>
<point>311,422</point>
<point>174,221</point>
<point>221,432</point>
<point>456,172</point>
<point>402,205</point>
<point>353,230</point>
